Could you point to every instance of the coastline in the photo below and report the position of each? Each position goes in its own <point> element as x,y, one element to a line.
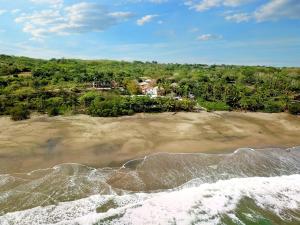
<point>43,141</point>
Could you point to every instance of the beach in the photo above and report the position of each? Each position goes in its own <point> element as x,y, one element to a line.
<point>43,142</point>
<point>183,168</point>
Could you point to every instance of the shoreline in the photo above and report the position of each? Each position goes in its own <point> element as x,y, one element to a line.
<point>43,142</point>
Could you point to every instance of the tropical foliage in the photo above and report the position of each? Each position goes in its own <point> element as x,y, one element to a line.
<point>62,86</point>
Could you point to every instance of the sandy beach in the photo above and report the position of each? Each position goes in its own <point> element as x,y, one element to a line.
<point>43,142</point>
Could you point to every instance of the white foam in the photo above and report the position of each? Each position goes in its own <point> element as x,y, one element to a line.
<point>202,204</point>
<point>243,149</point>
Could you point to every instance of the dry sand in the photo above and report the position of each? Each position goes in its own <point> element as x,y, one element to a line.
<point>43,142</point>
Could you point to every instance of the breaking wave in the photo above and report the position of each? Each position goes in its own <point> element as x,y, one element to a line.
<point>245,187</point>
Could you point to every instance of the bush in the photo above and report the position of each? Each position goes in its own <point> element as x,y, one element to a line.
<point>214,106</point>
<point>87,98</point>
<point>252,103</point>
<point>3,105</point>
<point>273,107</point>
<point>184,105</point>
<point>294,108</point>
<point>20,112</point>
<point>54,111</point>
<point>119,106</point>
<point>109,107</point>
<point>55,101</point>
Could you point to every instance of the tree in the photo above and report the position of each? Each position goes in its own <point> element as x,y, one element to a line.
<point>87,98</point>
<point>133,87</point>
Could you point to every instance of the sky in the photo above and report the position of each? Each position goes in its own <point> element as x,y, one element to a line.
<point>242,32</point>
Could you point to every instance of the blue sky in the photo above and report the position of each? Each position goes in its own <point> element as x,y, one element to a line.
<point>249,32</point>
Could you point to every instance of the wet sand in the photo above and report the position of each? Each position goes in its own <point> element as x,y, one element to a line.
<point>43,142</point>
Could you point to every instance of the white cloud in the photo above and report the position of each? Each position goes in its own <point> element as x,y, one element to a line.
<point>194,30</point>
<point>271,11</point>
<point>47,1</point>
<point>121,14</point>
<point>145,19</point>
<point>15,11</point>
<point>143,1</point>
<point>204,5</point>
<point>158,1</point>
<point>54,3</point>
<point>209,37</point>
<point>78,18</point>
<point>239,17</point>
<point>278,9</point>
<point>234,3</point>
<point>2,11</point>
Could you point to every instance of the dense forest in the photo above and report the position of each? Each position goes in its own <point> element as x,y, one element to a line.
<point>64,86</point>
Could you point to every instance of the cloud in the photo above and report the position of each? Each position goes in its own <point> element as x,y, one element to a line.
<point>209,37</point>
<point>271,11</point>
<point>145,19</point>
<point>2,11</point>
<point>143,1</point>
<point>15,11</point>
<point>47,1</point>
<point>158,1</point>
<point>278,9</point>
<point>194,30</point>
<point>53,3</point>
<point>78,18</point>
<point>208,4</point>
<point>239,17</point>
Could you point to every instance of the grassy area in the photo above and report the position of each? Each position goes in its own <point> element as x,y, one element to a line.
<point>213,106</point>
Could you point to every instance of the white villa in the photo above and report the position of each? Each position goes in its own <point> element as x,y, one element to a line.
<point>148,88</point>
<point>153,92</point>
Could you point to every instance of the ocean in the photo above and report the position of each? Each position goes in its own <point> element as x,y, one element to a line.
<point>248,186</point>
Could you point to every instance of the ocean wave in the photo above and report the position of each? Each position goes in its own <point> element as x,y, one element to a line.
<point>205,204</point>
<point>71,191</point>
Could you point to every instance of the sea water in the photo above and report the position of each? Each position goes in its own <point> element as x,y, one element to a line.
<point>245,187</point>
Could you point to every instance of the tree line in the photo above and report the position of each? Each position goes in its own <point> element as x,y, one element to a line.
<point>60,86</point>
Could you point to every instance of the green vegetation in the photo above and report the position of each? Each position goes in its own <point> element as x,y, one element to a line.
<point>64,86</point>
<point>214,106</point>
<point>19,112</point>
<point>116,106</point>
<point>294,108</point>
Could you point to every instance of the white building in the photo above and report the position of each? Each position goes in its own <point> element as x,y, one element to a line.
<point>153,92</point>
